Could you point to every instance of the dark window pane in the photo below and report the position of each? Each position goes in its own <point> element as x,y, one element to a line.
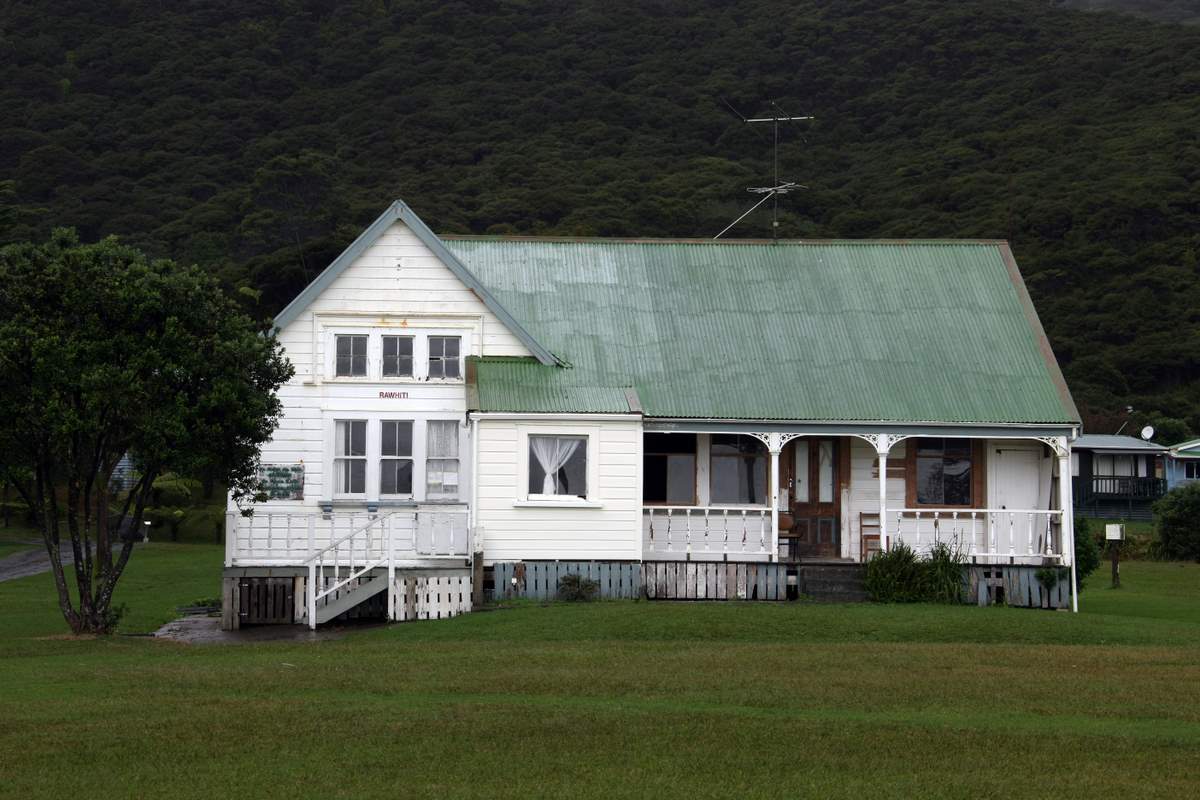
<point>572,477</point>
<point>929,447</point>
<point>343,345</point>
<point>670,443</point>
<point>669,478</point>
<point>358,438</point>
<point>356,476</point>
<point>396,476</point>
<point>956,481</point>
<point>397,438</point>
<point>451,348</point>
<point>435,368</point>
<point>452,369</point>
<point>929,481</point>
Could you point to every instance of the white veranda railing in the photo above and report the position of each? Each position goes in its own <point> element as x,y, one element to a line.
<point>706,533</point>
<point>980,533</point>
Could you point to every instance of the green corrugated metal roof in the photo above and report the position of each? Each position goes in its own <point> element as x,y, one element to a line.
<point>854,330</point>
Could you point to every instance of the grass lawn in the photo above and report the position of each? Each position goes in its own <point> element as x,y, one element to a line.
<point>16,537</point>
<point>614,700</point>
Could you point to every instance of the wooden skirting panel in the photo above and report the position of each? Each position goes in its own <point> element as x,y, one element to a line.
<point>431,595</point>
<point>655,580</point>
<point>699,580</point>
<point>1015,586</point>
<point>538,580</point>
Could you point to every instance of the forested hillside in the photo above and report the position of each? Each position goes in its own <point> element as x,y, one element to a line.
<point>257,138</point>
<point>1186,12</point>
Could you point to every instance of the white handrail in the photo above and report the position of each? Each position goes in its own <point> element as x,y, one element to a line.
<point>337,542</point>
<point>922,528</point>
<point>704,531</point>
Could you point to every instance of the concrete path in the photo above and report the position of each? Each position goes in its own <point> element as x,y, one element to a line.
<point>203,629</point>
<point>29,562</point>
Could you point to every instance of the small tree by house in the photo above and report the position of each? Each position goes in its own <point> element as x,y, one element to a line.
<point>105,352</point>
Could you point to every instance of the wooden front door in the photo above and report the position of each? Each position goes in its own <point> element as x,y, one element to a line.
<point>808,474</point>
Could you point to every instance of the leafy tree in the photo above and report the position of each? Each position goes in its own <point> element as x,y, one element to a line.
<point>104,352</point>
<point>1177,522</point>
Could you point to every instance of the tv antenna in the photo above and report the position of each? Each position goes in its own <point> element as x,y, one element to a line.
<point>778,187</point>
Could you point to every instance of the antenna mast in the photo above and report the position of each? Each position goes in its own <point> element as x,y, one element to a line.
<point>769,192</point>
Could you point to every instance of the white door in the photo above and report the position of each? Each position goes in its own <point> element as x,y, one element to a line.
<point>1015,475</point>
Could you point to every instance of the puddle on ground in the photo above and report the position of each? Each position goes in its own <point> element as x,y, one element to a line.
<point>203,629</point>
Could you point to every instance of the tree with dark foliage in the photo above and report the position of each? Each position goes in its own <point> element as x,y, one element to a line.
<point>102,353</point>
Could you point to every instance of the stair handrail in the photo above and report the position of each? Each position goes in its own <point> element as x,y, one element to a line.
<point>341,540</point>
<point>316,564</point>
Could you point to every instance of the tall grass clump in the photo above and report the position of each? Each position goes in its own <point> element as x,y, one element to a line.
<point>899,575</point>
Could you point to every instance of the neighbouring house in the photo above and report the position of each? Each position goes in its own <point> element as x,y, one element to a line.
<point>1117,477</point>
<point>1183,464</point>
<point>671,418</point>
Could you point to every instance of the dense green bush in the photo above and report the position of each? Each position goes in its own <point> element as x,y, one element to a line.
<point>577,589</point>
<point>1087,551</point>
<point>897,575</point>
<point>1177,522</point>
<point>944,571</point>
<point>172,490</point>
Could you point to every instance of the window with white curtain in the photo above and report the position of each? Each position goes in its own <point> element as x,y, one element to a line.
<point>441,460</point>
<point>395,457</point>
<point>558,466</point>
<point>350,456</point>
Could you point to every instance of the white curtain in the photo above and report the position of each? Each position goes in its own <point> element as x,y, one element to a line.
<point>552,454</point>
<point>443,439</point>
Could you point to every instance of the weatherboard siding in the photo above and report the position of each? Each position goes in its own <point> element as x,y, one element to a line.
<point>512,532</point>
<point>396,286</point>
<point>863,491</point>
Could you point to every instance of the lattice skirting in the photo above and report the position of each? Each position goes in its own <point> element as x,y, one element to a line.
<point>1015,586</point>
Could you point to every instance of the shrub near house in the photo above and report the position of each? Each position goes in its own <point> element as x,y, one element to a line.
<point>1177,522</point>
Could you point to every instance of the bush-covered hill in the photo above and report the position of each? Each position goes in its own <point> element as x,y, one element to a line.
<point>1186,12</point>
<point>257,138</point>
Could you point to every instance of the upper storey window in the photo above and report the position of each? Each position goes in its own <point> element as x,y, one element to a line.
<point>443,357</point>
<point>351,356</point>
<point>397,356</point>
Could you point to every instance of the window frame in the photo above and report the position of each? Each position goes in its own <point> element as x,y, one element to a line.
<point>412,356</point>
<point>978,455</point>
<point>429,357</point>
<point>366,356</point>
<point>410,458</point>
<point>1193,467</point>
<point>695,483</point>
<point>525,498</point>
<point>336,460</point>
<point>712,457</point>
<point>427,457</point>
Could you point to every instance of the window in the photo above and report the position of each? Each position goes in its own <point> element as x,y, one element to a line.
<point>558,465</point>
<point>350,457</point>
<point>397,356</point>
<point>738,470</point>
<point>351,356</point>
<point>1191,470</point>
<point>669,468</point>
<point>441,460</point>
<point>395,457</point>
<point>1108,465</point>
<point>943,472</point>
<point>443,357</point>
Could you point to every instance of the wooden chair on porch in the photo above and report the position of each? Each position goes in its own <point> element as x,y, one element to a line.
<point>869,542</point>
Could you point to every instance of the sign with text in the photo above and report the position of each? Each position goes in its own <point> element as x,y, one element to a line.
<point>282,481</point>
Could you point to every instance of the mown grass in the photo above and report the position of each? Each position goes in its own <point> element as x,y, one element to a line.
<point>614,700</point>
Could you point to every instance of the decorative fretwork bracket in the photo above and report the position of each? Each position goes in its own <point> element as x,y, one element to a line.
<point>1056,443</point>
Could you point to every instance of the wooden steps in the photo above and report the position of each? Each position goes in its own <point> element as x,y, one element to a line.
<point>834,582</point>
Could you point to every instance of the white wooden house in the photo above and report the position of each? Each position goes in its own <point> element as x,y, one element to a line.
<point>676,418</point>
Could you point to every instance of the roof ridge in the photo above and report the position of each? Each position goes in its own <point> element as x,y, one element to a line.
<point>666,240</point>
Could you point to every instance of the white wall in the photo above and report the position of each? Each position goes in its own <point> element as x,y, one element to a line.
<point>864,489</point>
<point>396,287</point>
<point>514,529</point>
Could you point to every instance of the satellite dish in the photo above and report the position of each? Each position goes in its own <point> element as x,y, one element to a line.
<point>1148,432</point>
